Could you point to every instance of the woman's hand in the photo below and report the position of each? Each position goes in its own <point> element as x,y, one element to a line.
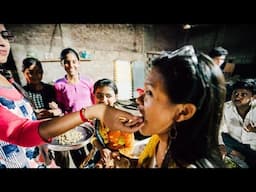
<point>43,113</point>
<point>115,119</point>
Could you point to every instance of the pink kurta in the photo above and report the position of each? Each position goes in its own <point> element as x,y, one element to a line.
<point>73,97</point>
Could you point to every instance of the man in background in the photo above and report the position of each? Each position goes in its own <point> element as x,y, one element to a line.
<point>218,54</point>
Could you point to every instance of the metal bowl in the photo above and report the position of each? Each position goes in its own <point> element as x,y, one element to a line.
<point>87,131</point>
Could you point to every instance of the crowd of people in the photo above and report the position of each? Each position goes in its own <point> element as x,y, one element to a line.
<point>198,127</point>
<point>20,127</point>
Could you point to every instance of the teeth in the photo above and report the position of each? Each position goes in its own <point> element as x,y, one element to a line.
<point>125,120</point>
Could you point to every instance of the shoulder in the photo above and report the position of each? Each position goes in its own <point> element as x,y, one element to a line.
<point>86,80</point>
<point>253,104</point>
<point>61,80</point>
<point>60,83</point>
<point>228,105</point>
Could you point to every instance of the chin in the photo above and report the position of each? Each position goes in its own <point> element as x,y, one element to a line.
<point>2,61</point>
<point>144,131</point>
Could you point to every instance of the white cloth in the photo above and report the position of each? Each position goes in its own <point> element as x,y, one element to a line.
<point>233,124</point>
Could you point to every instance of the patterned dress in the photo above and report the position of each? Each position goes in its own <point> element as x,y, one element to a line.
<point>16,127</point>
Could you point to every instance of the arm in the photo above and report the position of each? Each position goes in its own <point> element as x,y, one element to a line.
<point>24,132</point>
<point>109,115</point>
<point>18,130</point>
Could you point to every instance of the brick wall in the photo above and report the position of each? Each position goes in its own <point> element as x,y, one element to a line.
<point>105,43</point>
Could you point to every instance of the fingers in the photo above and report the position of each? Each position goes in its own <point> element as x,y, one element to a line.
<point>115,155</point>
<point>246,129</point>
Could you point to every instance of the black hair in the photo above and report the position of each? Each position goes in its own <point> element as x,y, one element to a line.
<point>27,62</point>
<point>194,79</point>
<point>248,84</point>
<point>66,51</point>
<point>105,82</point>
<point>218,51</point>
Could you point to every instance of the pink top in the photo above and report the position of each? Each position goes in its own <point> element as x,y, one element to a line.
<point>73,97</point>
<point>18,124</point>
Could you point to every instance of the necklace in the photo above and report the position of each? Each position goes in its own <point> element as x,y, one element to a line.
<point>160,155</point>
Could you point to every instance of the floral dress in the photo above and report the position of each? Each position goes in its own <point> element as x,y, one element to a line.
<point>16,111</point>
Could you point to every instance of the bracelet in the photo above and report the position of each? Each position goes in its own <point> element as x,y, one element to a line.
<point>82,115</point>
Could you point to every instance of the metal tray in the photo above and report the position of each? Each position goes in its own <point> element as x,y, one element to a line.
<point>87,131</point>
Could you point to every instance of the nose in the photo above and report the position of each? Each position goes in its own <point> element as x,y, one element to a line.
<point>103,99</point>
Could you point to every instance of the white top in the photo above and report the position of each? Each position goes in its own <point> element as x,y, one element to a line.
<point>233,124</point>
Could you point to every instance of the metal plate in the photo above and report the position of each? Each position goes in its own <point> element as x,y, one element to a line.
<point>87,131</point>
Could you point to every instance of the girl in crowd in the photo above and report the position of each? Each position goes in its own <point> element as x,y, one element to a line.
<point>43,98</point>
<point>42,94</point>
<point>107,141</point>
<point>74,92</point>
<point>18,124</point>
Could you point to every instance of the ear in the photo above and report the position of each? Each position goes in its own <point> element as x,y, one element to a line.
<point>185,112</point>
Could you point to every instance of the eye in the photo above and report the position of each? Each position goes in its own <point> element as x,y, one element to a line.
<point>243,94</point>
<point>108,95</point>
<point>7,35</point>
<point>148,92</point>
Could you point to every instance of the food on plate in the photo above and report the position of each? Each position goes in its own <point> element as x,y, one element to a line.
<point>70,137</point>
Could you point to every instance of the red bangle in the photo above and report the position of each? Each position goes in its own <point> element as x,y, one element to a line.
<point>82,115</point>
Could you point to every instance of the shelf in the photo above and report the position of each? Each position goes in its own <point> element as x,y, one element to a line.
<point>57,60</point>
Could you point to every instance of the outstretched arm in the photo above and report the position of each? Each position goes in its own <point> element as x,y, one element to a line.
<point>26,132</point>
<point>114,118</point>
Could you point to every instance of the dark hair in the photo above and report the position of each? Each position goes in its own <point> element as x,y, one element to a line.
<point>66,51</point>
<point>105,82</point>
<point>27,62</point>
<point>191,78</point>
<point>248,84</point>
<point>218,51</point>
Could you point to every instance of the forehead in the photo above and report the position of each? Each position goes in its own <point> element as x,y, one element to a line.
<point>155,79</point>
<point>33,67</point>
<point>104,88</point>
<point>239,90</point>
<point>70,55</point>
<point>222,57</point>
